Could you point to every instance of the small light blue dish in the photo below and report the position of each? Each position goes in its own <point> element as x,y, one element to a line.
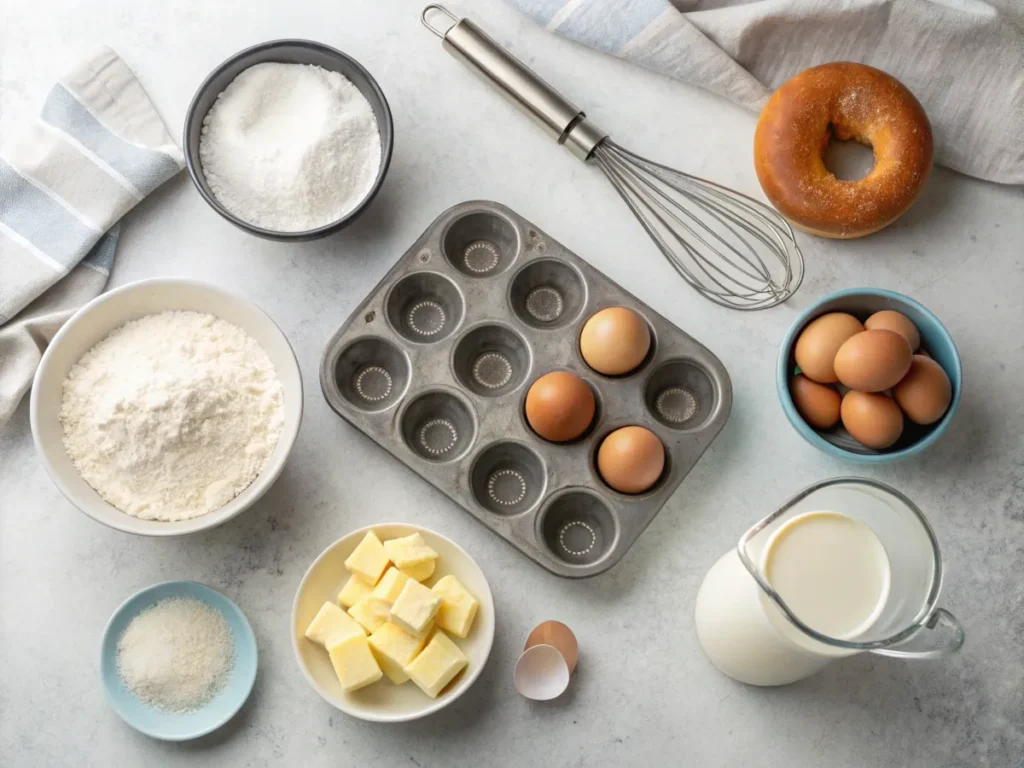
<point>935,340</point>
<point>172,727</point>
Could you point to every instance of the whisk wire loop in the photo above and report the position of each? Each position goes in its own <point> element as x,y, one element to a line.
<point>629,192</point>
<point>733,249</point>
<point>716,203</point>
<point>662,207</point>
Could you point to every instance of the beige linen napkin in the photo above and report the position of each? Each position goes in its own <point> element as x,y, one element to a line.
<point>963,59</point>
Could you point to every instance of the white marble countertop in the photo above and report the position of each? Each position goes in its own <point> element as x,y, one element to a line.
<point>644,693</point>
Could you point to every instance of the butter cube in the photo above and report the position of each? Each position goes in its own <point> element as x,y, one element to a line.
<point>368,560</point>
<point>419,571</point>
<point>393,648</point>
<point>437,664</point>
<point>354,663</point>
<point>415,608</point>
<point>355,589</point>
<point>409,551</point>
<point>332,625</point>
<point>370,612</point>
<point>390,585</point>
<point>458,607</point>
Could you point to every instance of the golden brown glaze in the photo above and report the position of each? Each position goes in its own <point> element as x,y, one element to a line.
<point>847,101</point>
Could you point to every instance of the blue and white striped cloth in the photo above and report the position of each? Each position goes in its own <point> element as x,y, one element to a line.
<point>97,148</point>
<point>964,60</point>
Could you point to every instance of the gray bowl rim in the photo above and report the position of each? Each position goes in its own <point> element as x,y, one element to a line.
<point>195,167</point>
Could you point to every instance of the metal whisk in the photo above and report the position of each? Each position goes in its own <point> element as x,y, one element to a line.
<point>732,249</point>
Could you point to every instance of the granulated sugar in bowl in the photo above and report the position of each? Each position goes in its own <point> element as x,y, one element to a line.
<point>176,655</point>
<point>178,660</point>
<point>290,147</point>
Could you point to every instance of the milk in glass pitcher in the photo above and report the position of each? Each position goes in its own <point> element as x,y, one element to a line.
<point>845,566</point>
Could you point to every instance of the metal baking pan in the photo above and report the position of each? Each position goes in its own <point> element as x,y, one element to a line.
<point>435,364</point>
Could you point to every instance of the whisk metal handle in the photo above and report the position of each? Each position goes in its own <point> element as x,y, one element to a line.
<point>559,117</point>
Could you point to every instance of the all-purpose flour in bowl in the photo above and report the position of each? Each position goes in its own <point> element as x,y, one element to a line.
<point>290,147</point>
<point>172,415</point>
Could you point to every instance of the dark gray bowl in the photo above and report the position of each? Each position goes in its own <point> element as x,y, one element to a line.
<point>288,52</point>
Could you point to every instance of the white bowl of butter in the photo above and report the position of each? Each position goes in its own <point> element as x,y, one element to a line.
<point>383,701</point>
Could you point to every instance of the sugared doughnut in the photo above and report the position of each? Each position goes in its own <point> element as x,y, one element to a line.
<point>844,101</point>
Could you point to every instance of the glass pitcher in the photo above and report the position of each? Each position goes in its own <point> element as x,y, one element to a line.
<point>749,632</point>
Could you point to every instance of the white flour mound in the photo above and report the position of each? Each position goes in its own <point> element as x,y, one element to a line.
<point>176,655</point>
<point>290,147</point>
<point>172,415</point>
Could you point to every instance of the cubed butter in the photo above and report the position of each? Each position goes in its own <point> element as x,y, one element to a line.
<point>437,664</point>
<point>371,612</point>
<point>355,589</point>
<point>368,560</point>
<point>458,607</point>
<point>390,585</point>
<point>420,571</point>
<point>393,648</point>
<point>354,663</point>
<point>415,608</point>
<point>409,550</point>
<point>332,625</point>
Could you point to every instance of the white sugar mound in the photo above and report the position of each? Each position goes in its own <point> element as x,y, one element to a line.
<point>290,147</point>
<point>176,655</point>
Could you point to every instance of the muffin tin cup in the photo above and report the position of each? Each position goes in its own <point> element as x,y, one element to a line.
<point>424,307</point>
<point>438,426</point>
<point>491,360</point>
<point>578,527</point>
<point>480,243</point>
<point>680,394</point>
<point>370,373</point>
<point>508,478</point>
<point>503,304</point>
<point>547,294</point>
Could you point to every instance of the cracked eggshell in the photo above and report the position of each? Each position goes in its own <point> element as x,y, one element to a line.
<point>556,634</point>
<point>546,663</point>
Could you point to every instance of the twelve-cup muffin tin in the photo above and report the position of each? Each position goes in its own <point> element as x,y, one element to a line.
<point>435,365</point>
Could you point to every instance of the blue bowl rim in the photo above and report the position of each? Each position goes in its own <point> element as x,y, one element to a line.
<point>194,167</point>
<point>782,373</point>
<point>250,637</point>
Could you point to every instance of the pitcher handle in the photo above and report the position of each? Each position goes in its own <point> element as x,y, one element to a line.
<point>940,635</point>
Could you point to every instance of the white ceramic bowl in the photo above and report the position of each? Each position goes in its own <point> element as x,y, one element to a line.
<point>94,322</point>
<point>383,702</point>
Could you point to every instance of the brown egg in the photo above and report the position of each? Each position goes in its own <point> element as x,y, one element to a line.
<point>873,361</point>
<point>615,341</point>
<point>818,404</point>
<point>631,459</point>
<point>888,320</point>
<point>873,420</point>
<point>560,406</point>
<point>924,393</point>
<point>816,347</point>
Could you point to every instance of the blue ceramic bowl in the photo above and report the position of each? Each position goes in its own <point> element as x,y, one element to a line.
<point>935,340</point>
<point>172,727</point>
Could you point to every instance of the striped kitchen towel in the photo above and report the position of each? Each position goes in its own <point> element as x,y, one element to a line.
<point>963,59</point>
<point>95,151</point>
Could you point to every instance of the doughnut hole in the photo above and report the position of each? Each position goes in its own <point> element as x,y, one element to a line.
<point>848,159</point>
